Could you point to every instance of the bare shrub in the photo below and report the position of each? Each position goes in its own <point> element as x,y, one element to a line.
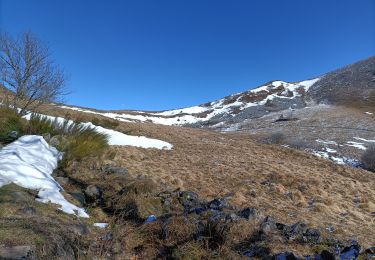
<point>297,143</point>
<point>275,138</point>
<point>27,70</point>
<point>368,158</point>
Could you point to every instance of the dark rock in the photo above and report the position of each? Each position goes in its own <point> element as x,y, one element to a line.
<point>80,197</point>
<point>218,204</point>
<point>13,135</point>
<point>312,236</point>
<point>232,217</point>
<point>111,169</point>
<point>93,192</point>
<point>108,236</point>
<point>326,255</point>
<point>285,256</point>
<point>188,199</point>
<point>296,231</point>
<point>217,216</point>
<point>268,224</point>
<point>369,253</point>
<point>350,252</point>
<point>258,251</point>
<point>16,252</point>
<point>248,213</point>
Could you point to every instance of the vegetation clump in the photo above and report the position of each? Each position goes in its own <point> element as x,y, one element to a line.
<point>368,158</point>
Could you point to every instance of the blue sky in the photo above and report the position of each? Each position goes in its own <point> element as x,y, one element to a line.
<point>163,54</point>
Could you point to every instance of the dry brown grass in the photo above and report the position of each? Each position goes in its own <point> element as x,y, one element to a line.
<point>288,184</point>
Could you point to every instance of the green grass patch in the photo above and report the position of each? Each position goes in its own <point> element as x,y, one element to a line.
<point>9,121</point>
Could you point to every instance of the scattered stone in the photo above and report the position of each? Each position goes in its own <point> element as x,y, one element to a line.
<point>16,252</point>
<point>55,141</point>
<point>285,256</point>
<point>79,197</point>
<point>350,252</point>
<point>13,134</point>
<point>248,213</point>
<point>111,169</point>
<point>93,192</point>
<point>258,251</point>
<point>326,255</point>
<point>268,224</point>
<point>330,229</point>
<point>218,204</point>
<point>188,199</point>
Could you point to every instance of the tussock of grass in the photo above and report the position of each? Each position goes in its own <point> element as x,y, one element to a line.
<point>9,121</point>
<point>76,140</point>
<point>85,142</point>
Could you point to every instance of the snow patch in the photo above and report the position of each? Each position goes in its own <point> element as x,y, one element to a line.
<point>29,162</point>
<point>116,137</point>
<point>356,145</point>
<point>101,225</point>
<point>326,142</point>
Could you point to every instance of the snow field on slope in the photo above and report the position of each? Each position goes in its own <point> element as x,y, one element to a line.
<point>116,137</point>
<point>29,162</point>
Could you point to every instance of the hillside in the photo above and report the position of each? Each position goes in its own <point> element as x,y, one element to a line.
<point>164,187</point>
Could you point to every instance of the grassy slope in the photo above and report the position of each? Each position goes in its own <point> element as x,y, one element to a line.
<point>278,181</point>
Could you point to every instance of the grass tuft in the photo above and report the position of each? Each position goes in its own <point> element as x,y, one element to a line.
<point>9,121</point>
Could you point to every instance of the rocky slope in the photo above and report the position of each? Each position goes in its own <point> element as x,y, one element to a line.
<point>352,86</point>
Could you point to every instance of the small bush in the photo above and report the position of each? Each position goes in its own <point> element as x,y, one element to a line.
<point>275,138</point>
<point>39,125</point>
<point>84,142</point>
<point>9,121</point>
<point>368,158</point>
<point>297,143</point>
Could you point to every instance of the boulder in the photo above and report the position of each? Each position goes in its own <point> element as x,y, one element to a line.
<point>111,169</point>
<point>93,192</point>
<point>248,213</point>
<point>16,252</point>
<point>350,252</point>
<point>13,135</point>
<point>285,256</point>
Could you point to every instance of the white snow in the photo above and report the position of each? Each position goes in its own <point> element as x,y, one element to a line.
<point>192,115</point>
<point>369,113</point>
<point>356,145</point>
<point>101,225</point>
<point>326,142</point>
<point>308,83</point>
<point>29,162</point>
<point>365,140</point>
<point>329,150</point>
<point>116,137</point>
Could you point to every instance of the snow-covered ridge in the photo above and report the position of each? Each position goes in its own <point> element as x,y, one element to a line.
<point>116,137</point>
<point>230,105</point>
<point>29,163</point>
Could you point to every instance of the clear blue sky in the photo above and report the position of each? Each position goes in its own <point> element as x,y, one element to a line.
<point>163,54</point>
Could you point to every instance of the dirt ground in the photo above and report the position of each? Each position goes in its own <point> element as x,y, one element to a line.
<point>288,184</point>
